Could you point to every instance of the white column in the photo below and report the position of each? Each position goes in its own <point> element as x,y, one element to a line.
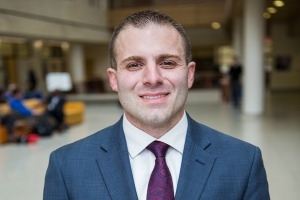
<point>253,89</point>
<point>77,66</point>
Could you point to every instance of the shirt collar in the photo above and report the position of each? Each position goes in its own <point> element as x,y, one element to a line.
<point>137,140</point>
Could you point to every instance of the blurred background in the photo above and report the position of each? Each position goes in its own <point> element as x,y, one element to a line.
<point>39,38</point>
<point>72,36</point>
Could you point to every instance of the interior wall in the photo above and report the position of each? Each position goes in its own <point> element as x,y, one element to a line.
<point>286,47</point>
<point>99,57</point>
<point>55,19</point>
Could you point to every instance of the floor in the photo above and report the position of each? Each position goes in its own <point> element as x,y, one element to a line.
<point>276,132</point>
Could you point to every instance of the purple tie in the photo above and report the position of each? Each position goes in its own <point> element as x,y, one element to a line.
<point>160,185</point>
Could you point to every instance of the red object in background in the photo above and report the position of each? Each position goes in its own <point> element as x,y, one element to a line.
<point>32,138</point>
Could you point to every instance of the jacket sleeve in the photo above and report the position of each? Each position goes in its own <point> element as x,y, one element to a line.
<point>54,187</point>
<point>19,107</point>
<point>257,185</point>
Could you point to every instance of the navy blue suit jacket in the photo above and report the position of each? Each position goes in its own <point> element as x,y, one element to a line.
<point>214,166</point>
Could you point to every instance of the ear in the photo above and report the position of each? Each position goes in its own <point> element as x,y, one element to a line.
<point>112,76</point>
<point>191,73</point>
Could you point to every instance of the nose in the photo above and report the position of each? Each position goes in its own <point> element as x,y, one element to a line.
<point>152,75</point>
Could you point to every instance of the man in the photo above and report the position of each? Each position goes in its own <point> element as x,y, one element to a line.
<point>151,69</point>
<point>235,74</point>
<point>55,102</point>
<point>18,117</point>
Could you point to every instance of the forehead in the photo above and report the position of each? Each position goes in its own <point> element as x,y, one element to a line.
<point>152,37</point>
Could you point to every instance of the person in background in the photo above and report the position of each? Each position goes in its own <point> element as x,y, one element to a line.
<point>225,83</point>
<point>55,107</point>
<point>32,93</point>
<point>16,121</point>
<point>235,74</point>
<point>156,150</point>
<point>2,95</point>
<point>16,104</point>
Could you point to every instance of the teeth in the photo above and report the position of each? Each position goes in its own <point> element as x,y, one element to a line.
<point>153,97</point>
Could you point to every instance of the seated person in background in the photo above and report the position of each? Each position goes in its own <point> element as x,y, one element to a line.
<point>55,104</point>
<point>19,114</point>
<point>40,121</point>
<point>16,104</point>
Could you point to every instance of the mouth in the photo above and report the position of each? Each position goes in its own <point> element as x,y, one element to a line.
<point>154,96</point>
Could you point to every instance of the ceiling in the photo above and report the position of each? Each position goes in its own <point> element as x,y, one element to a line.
<point>200,13</point>
<point>197,15</point>
<point>190,13</point>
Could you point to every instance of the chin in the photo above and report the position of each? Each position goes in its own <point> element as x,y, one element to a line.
<point>155,119</point>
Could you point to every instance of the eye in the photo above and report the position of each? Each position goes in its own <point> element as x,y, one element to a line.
<point>168,64</point>
<point>134,66</point>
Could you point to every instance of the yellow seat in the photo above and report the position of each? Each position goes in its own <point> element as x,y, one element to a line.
<point>74,112</point>
<point>3,135</point>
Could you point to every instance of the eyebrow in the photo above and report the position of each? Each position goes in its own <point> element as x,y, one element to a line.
<point>165,56</point>
<point>137,58</point>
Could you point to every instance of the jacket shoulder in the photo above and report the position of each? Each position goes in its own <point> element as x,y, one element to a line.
<point>219,142</point>
<point>89,143</point>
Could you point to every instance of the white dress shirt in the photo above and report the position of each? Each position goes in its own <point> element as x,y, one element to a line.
<point>142,160</point>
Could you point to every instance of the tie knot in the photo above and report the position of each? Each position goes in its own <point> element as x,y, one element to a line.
<point>159,149</point>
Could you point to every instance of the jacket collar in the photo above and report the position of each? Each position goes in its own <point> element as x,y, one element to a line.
<point>114,164</point>
<point>197,163</point>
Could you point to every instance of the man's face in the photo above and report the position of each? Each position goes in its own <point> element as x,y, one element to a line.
<point>152,78</point>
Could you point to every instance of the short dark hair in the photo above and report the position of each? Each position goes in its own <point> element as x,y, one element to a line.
<point>140,20</point>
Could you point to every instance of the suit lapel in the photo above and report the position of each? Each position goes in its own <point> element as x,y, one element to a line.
<point>196,164</point>
<point>114,165</point>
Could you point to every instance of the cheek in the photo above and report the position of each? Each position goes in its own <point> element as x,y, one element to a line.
<point>127,82</point>
<point>179,79</point>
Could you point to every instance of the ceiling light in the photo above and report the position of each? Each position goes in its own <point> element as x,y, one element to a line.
<point>278,3</point>
<point>266,15</point>
<point>271,10</point>
<point>216,25</point>
<point>65,45</point>
<point>38,44</point>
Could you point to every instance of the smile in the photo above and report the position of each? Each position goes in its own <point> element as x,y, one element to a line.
<point>153,96</point>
